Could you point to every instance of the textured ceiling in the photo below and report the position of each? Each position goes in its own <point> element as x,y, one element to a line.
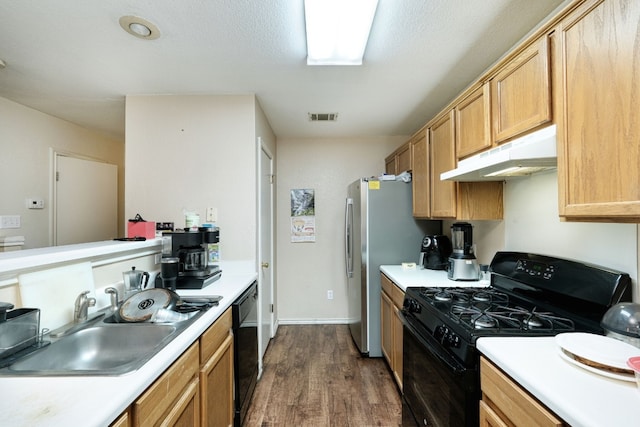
<point>71,59</point>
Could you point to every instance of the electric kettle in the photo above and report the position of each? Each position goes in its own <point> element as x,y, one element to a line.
<point>134,281</point>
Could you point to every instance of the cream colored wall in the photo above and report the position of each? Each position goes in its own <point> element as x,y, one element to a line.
<point>190,153</point>
<point>307,270</point>
<point>27,137</point>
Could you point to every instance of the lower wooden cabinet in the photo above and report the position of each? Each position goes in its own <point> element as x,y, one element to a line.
<point>505,403</point>
<point>391,301</point>
<point>173,400</point>
<point>196,390</point>
<point>216,374</point>
<point>124,420</point>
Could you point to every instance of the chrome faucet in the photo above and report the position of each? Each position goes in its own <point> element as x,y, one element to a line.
<point>113,292</point>
<point>81,312</point>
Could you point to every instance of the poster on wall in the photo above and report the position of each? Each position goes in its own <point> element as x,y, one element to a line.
<point>303,219</point>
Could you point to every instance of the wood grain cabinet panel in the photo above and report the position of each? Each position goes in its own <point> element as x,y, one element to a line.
<point>506,403</point>
<point>392,298</point>
<point>420,175</point>
<point>521,92</point>
<point>596,65</point>
<point>443,158</point>
<point>173,399</point>
<point>473,122</point>
<point>216,373</point>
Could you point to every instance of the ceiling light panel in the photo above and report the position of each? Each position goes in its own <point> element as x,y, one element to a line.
<point>338,30</point>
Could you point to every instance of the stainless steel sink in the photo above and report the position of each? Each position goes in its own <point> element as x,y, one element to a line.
<point>105,348</point>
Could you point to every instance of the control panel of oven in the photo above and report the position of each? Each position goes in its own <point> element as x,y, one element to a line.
<point>535,268</point>
<point>447,337</point>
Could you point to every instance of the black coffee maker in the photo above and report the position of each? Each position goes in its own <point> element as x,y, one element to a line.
<point>434,252</point>
<point>191,248</point>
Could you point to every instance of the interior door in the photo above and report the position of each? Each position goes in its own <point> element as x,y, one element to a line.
<point>266,307</point>
<point>85,200</point>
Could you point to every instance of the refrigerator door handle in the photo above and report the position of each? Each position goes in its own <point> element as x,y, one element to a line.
<point>348,240</point>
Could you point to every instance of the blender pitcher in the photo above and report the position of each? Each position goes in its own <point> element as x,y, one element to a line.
<point>134,281</point>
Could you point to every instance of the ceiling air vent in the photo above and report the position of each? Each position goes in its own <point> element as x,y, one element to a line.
<point>323,117</point>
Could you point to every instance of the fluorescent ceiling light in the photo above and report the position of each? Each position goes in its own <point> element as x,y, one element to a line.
<point>338,30</point>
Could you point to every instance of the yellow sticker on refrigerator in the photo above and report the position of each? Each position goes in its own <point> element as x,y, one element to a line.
<point>374,185</point>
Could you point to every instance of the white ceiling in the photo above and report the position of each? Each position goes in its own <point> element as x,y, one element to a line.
<point>71,59</point>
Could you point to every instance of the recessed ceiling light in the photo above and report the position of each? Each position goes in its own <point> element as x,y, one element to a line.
<point>139,27</point>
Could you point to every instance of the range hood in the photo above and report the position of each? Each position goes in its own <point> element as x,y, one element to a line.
<point>531,153</point>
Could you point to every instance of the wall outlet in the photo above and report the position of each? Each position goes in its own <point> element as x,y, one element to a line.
<point>212,214</point>
<point>9,221</point>
<point>35,204</point>
<point>329,294</point>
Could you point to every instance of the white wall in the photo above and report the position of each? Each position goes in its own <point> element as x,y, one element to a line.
<point>193,152</point>
<point>27,137</point>
<point>307,270</point>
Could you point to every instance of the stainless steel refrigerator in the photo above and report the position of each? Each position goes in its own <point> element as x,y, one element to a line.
<point>379,230</point>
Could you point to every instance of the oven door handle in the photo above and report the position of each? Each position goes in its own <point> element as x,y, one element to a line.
<point>432,345</point>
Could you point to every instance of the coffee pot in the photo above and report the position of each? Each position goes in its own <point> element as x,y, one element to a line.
<point>134,281</point>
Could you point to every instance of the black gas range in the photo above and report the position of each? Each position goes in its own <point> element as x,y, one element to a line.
<point>529,295</point>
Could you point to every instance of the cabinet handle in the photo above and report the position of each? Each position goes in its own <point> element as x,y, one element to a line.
<point>265,265</point>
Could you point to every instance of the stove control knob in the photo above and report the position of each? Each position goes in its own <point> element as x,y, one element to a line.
<point>412,305</point>
<point>454,341</point>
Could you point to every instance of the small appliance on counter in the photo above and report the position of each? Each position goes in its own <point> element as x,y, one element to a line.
<point>191,247</point>
<point>434,252</point>
<point>462,262</point>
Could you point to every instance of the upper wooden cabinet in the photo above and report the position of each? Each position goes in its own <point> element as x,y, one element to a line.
<point>521,92</point>
<point>596,94</point>
<point>399,161</point>
<point>473,122</point>
<point>443,158</point>
<point>420,168</point>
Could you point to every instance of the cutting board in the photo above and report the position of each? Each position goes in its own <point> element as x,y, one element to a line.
<point>54,292</point>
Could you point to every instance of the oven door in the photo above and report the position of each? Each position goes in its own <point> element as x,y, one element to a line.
<point>437,389</point>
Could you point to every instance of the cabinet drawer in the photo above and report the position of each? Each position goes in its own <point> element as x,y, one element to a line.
<point>387,285</point>
<point>148,409</point>
<point>397,296</point>
<point>393,292</point>
<point>215,335</point>
<point>511,400</point>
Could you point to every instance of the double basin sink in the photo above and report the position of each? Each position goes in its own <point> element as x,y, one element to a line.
<point>102,347</point>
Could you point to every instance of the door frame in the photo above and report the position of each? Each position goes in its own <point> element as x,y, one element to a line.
<point>262,148</point>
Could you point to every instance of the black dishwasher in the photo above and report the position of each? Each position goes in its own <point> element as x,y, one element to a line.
<point>245,350</point>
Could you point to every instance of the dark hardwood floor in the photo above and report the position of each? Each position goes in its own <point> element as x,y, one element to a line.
<point>314,376</point>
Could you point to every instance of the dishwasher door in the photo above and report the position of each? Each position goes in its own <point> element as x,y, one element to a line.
<point>245,348</point>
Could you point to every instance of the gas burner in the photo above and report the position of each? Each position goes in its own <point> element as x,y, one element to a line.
<point>533,322</point>
<point>443,296</point>
<point>481,296</point>
<point>533,319</point>
<point>484,321</point>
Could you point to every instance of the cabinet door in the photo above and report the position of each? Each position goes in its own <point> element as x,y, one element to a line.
<point>442,152</point>
<point>186,410</point>
<point>216,385</point>
<point>386,312</point>
<point>171,397</point>
<point>521,92</point>
<point>597,90</point>
<point>420,175</point>
<point>488,418</point>
<point>124,420</point>
<point>404,158</point>
<point>390,165</point>
<point>397,346</point>
<point>473,122</point>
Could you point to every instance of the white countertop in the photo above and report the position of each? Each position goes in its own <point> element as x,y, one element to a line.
<point>97,401</point>
<point>581,398</point>
<point>404,278</point>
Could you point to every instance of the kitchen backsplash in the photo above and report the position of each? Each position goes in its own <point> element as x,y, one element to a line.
<point>531,224</point>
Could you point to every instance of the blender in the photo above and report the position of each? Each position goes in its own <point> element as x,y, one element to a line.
<point>462,262</point>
